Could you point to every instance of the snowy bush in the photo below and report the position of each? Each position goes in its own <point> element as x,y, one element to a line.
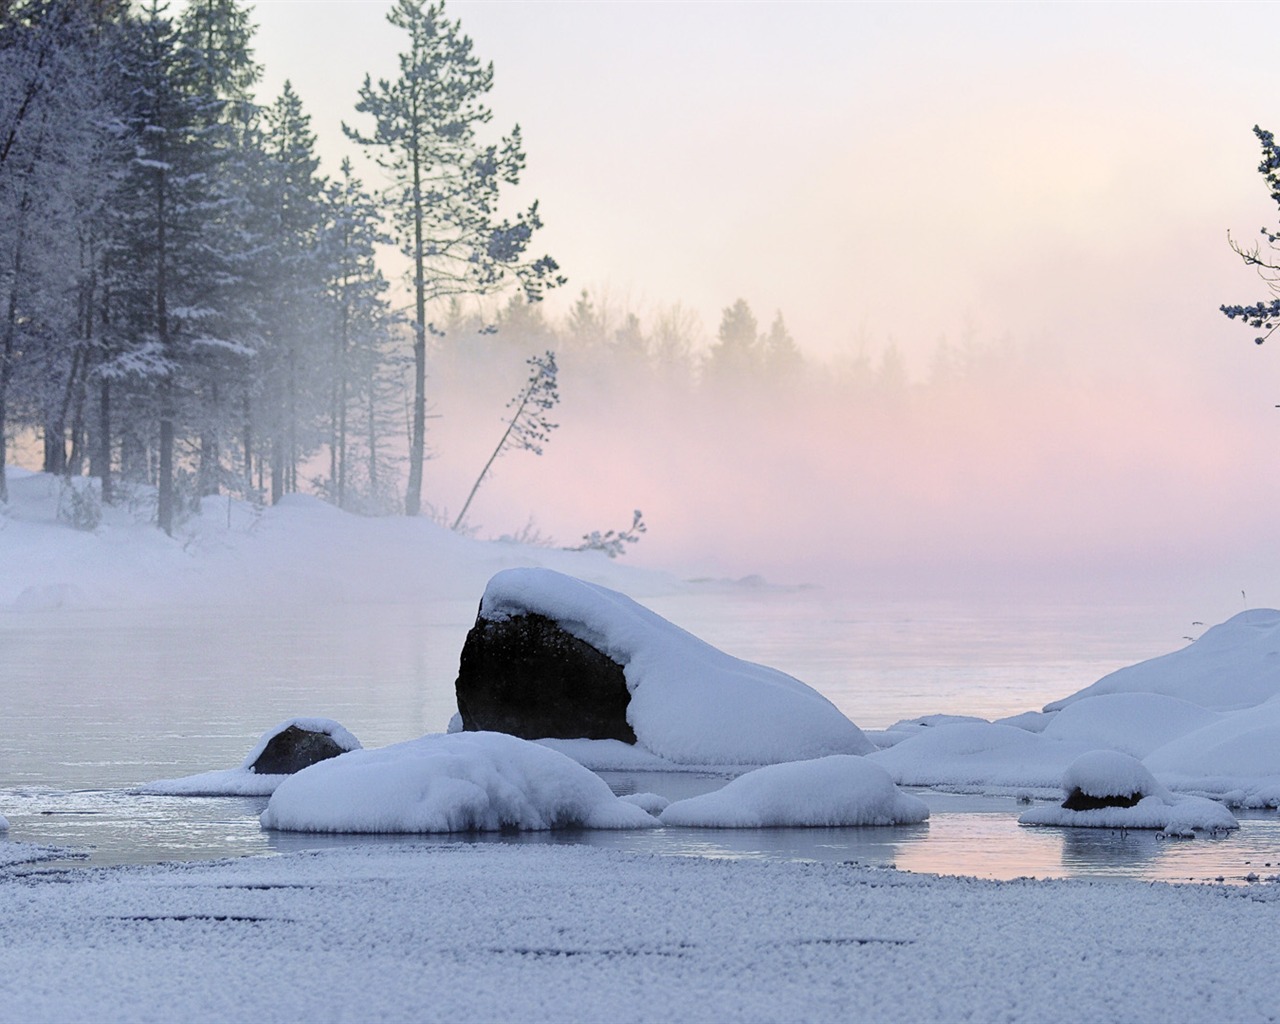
<point>79,505</point>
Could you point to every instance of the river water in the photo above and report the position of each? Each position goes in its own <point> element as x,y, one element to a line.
<point>97,702</point>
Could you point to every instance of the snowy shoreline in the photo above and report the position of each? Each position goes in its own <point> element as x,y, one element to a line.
<point>465,932</point>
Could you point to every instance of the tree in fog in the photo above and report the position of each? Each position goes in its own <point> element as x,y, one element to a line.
<point>446,184</point>
<point>780,355</point>
<point>527,425</point>
<point>362,372</point>
<point>55,126</point>
<point>736,354</point>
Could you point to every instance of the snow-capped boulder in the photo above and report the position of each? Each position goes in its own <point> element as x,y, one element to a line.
<point>829,791</point>
<point>1108,789</point>
<point>527,676</point>
<point>686,701</point>
<point>1233,665</point>
<point>289,747</point>
<point>453,782</point>
<point>297,744</point>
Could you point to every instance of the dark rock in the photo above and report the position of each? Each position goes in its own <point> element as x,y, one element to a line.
<point>527,677</point>
<point>292,749</point>
<point>1079,800</point>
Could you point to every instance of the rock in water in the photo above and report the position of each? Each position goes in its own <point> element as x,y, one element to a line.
<point>526,676</point>
<point>293,749</point>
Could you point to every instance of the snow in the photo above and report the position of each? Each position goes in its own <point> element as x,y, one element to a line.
<point>1134,723</point>
<point>978,755</point>
<point>503,932</point>
<point>455,782</point>
<point>690,703</point>
<point>232,553</point>
<point>1233,665</point>
<point>1108,773</point>
<point>837,790</point>
<point>243,781</point>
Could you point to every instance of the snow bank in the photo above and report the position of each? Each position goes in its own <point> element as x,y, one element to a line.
<point>1233,665</point>
<point>829,791</point>
<point>1110,775</point>
<point>1236,758</point>
<point>690,703</point>
<point>455,782</point>
<point>301,551</point>
<point>12,854</point>
<point>971,754</point>
<point>1133,723</point>
<point>244,781</point>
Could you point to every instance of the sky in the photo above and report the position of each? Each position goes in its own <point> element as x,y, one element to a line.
<point>1062,176</point>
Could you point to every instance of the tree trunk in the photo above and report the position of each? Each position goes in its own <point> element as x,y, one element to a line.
<point>101,467</point>
<point>418,439</point>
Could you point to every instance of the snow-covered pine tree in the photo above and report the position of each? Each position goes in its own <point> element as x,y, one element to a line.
<point>53,66</point>
<point>162,261</point>
<point>216,38</point>
<point>446,184</point>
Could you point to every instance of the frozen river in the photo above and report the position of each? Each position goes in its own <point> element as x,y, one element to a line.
<point>97,702</point>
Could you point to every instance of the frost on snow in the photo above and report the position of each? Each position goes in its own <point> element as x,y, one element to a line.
<point>245,780</point>
<point>690,703</point>
<point>1108,789</point>
<point>829,791</point>
<point>455,782</point>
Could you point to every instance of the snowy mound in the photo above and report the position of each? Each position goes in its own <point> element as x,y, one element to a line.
<point>830,791</point>
<point>1107,789</point>
<point>456,782</point>
<point>1233,665</point>
<point>689,702</point>
<point>245,780</point>
<point>1236,757</point>
<point>4,823</point>
<point>1133,723</point>
<point>973,754</point>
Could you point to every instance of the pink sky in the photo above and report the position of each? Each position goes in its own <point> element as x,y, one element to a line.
<point>1060,174</point>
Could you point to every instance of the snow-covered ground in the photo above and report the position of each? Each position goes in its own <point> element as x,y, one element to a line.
<point>514,933</point>
<point>524,932</point>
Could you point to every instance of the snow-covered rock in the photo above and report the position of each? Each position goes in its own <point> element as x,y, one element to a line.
<point>977,754</point>
<point>1108,789</point>
<point>829,791</point>
<point>1236,757</point>
<point>1233,665</point>
<point>454,782</point>
<point>294,742</point>
<point>689,702</point>
<point>1133,723</point>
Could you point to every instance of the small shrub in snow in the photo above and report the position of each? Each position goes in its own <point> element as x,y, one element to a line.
<point>79,505</point>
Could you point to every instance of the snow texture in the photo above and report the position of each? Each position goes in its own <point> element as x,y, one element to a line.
<point>243,781</point>
<point>513,933</point>
<point>838,790</point>
<point>1108,773</point>
<point>454,782</point>
<point>690,703</point>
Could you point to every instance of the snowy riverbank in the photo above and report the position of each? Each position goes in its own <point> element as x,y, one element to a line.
<point>515,933</point>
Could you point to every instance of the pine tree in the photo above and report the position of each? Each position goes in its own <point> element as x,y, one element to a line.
<point>736,355</point>
<point>446,185</point>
